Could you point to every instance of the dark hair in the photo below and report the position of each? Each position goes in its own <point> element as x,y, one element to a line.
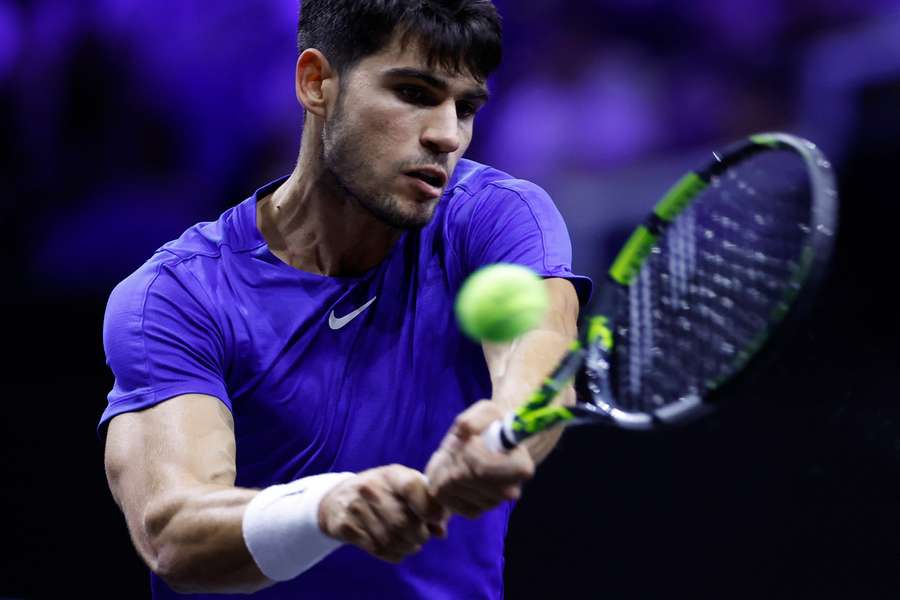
<point>455,34</point>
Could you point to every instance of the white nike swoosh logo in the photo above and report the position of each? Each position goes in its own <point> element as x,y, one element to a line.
<point>337,323</point>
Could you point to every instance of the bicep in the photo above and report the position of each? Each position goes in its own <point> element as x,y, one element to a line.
<point>180,444</point>
<point>562,314</point>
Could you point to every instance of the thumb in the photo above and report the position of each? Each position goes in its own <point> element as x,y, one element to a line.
<point>476,419</point>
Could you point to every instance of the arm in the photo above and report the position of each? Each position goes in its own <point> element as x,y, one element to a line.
<point>463,474</point>
<point>519,367</point>
<point>171,469</point>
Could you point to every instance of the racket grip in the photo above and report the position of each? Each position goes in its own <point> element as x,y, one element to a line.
<point>496,438</point>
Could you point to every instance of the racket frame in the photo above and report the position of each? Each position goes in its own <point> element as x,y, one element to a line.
<point>539,414</point>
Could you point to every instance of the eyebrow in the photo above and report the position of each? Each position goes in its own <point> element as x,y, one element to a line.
<point>476,93</point>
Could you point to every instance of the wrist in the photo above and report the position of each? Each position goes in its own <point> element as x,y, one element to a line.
<point>281,526</point>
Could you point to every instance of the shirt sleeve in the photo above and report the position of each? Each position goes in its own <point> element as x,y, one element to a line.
<point>516,221</point>
<point>161,341</point>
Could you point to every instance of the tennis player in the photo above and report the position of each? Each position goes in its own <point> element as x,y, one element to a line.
<point>285,374</point>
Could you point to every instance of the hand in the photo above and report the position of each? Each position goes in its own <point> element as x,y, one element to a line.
<point>386,511</point>
<point>468,478</point>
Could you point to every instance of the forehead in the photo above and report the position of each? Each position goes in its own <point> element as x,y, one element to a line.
<point>413,55</point>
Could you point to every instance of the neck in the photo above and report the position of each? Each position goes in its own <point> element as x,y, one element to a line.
<point>311,223</point>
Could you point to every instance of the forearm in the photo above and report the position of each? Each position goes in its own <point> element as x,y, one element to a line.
<point>194,540</point>
<point>530,359</point>
<point>464,474</point>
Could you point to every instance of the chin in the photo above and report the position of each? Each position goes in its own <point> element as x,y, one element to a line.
<point>403,213</point>
<point>410,221</point>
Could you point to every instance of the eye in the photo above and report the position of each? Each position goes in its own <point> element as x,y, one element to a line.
<point>413,94</point>
<point>466,110</point>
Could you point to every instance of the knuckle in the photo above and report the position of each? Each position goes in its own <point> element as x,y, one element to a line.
<point>488,407</point>
<point>367,490</point>
<point>421,535</point>
<point>347,532</point>
<point>411,486</point>
<point>398,524</point>
<point>395,469</point>
<point>355,508</point>
<point>379,540</point>
<point>528,469</point>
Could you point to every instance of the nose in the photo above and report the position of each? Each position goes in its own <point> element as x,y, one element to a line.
<point>441,132</point>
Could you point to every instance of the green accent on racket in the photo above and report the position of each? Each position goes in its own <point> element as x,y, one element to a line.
<point>679,196</point>
<point>765,139</point>
<point>632,256</point>
<point>598,329</point>
<point>531,422</point>
<point>725,257</point>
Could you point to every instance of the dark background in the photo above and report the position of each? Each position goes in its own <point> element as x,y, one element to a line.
<point>123,122</point>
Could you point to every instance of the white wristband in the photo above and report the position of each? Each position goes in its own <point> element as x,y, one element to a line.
<point>281,526</point>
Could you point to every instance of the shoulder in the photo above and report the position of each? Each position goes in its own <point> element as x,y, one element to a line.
<point>200,245</point>
<point>480,192</point>
<point>209,238</point>
<point>163,279</point>
<point>172,274</point>
<point>478,180</point>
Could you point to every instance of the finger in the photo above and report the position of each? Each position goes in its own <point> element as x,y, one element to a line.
<point>438,530</point>
<point>463,480</point>
<point>406,530</point>
<point>476,418</point>
<point>417,531</point>
<point>462,505</point>
<point>512,492</point>
<point>364,511</point>
<point>464,496</point>
<point>351,533</point>
<point>439,468</point>
<point>475,493</point>
<point>413,489</point>
<point>496,468</point>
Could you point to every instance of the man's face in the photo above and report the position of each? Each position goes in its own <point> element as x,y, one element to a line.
<point>397,132</point>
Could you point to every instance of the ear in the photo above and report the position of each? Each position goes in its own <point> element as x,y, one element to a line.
<point>314,81</point>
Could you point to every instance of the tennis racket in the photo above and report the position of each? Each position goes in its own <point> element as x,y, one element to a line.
<point>726,257</point>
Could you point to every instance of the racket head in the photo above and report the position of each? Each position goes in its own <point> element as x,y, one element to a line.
<point>730,253</point>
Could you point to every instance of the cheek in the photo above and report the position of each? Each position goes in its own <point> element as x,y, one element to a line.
<point>387,131</point>
<point>465,138</point>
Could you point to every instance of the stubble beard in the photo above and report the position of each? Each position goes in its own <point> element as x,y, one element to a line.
<point>345,162</point>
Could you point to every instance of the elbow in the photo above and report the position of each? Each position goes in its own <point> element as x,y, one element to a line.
<point>186,573</point>
<point>165,556</point>
<point>176,571</point>
<point>189,563</point>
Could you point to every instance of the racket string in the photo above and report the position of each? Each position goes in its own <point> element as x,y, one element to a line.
<point>712,284</point>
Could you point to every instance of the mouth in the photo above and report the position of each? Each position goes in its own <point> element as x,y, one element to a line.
<point>432,176</point>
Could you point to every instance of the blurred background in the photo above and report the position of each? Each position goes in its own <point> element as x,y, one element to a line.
<point>123,122</point>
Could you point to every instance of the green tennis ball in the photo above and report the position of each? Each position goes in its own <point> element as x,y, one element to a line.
<point>500,302</point>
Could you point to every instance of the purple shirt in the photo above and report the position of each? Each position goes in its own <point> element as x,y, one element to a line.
<point>312,390</point>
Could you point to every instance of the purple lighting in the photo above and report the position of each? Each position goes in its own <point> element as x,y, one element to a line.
<point>10,39</point>
<point>195,100</point>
